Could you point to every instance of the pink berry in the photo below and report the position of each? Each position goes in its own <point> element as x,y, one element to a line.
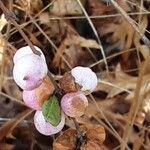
<point>25,51</point>
<point>46,128</point>
<point>35,98</point>
<point>74,104</point>
<point>29,71</point>
<point>30,99</point>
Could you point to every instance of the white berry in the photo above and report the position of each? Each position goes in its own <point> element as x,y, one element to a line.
<point>46,128</point>
<point>25,51</point>
<point>85,77</point>
<point>29,71</point>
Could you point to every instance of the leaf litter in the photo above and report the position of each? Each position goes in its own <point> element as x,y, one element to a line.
<point>72,41</point>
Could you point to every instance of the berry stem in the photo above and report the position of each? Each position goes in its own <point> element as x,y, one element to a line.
<point>81,138</point>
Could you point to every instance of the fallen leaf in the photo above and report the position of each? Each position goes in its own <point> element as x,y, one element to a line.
<point>65,7</point>
<point>7,128</point>
<point>78,40</point>
<point>5,146</point>
<point>95,133</point>
<point>3,22</point>
<point>66,141</point>
<point>94,137</point>
<point>70,52</point>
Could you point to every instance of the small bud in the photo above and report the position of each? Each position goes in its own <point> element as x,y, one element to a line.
<point>25,51</point>
<point>35,98</point>
<point>85,77</point>
<point>46,128</point>
<point>29,71</point>
<point>74,104</point>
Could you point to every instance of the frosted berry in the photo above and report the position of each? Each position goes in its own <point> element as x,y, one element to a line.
<point>29,71</point>
<point>85,77</point>
<point>46,128</point>
<point>25,51</point>
<point>74,104</point>
<point>35,98</point>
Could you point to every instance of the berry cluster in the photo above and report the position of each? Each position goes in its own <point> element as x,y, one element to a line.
<point>30,74</point>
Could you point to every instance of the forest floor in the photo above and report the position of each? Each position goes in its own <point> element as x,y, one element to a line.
<point>109,36</point>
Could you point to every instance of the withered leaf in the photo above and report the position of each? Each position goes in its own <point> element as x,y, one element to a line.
<point>7,128</point>
<point>94,136</point>
<point>66,7</point>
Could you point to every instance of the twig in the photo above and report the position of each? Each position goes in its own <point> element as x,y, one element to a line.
<point>107,121</point>
<point>50,41</point>
<point>4,49</point>
<point>144,38</point>
<point>96,35</point>
<point>12,98</point>
<point>11,17</point>
<point>81,137</point>
<point>137,98</point>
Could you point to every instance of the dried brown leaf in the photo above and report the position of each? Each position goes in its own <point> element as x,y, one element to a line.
<point>95,133</point>
<point>7,128</point>
<point>78,40</point>
<point>3,22</point>
<point>66,7</point>
<point>4,146</point>
<point>95,136</point>
<point>66,141</point>
<point>30,6</point>
<point>71,53</point>
<point>90,145</point>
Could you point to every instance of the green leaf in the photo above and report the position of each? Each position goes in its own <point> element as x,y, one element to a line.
<point>51,111</point>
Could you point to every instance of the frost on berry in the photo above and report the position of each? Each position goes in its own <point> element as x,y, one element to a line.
<point>46,128</point>
<point>35,98</point>
<point>85,77</point>
<point>25,51</point>
<point>74,104</point>
<point>29,71</point>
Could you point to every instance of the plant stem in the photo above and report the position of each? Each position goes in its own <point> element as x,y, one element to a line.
<point>81,138</point>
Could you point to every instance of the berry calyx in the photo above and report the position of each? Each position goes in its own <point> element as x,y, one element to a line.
<point>67,83</point>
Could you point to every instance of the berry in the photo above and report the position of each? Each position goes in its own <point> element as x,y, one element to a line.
<point>85,77</point>
<point>29,71</point>
<point>35,98</point>
<point>46,128</point>
<point>74,104</point>
<point>25,51</point>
